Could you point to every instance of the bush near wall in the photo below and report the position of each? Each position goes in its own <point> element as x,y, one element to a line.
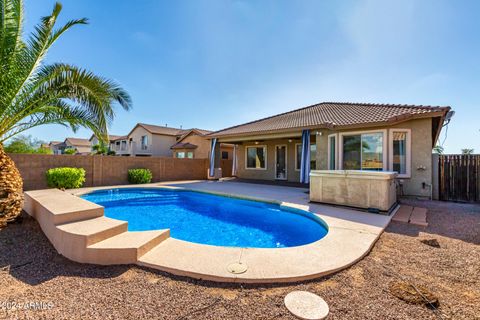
<point>65,178</point>
<point>138,176</point>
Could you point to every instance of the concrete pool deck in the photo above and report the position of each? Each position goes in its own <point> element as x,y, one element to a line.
<point>78,229</point>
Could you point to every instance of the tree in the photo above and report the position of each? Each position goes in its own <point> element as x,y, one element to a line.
<point>100,148</point>
<point>69,151</point>
<point>467,151</point>
<point>438,149</point>
<point>26,144</point>
<point>33,93</point>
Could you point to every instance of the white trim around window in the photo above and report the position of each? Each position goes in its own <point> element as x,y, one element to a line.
<point>408,173</point>
<point>246,156</point>
<point>329,150</point>
<point>353,133</point>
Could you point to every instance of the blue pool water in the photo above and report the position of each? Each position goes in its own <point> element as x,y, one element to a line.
<point>210,219</point>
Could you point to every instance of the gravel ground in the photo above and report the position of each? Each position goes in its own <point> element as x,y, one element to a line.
<point>31,271</point>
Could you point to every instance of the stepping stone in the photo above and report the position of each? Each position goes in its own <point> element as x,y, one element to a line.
<point>419,217</point>
<point>403,214</point>
<point>306,305</point>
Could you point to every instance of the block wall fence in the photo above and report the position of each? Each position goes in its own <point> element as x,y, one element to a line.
<point>107,170</point>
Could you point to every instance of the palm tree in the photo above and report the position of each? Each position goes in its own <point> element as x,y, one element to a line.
<point>438,149</point>
<point>467,151</point>
<point>33,93</point>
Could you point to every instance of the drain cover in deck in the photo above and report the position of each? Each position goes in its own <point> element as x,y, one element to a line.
<point>306,305</point>
<point>237,268</point>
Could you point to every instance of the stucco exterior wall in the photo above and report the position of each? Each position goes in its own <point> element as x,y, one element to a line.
<point>203,146</point>
<point>421,155</point>
<point>158,145</point>
<point>293,175</point>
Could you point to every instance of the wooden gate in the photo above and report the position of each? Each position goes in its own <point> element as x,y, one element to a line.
<point>459,177</point>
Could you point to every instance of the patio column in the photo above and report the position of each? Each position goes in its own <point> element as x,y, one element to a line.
<point>305,157</point>
<point>215,170</point>
<point>234,161</point>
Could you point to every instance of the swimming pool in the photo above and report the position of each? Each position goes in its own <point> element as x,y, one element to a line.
<point>210,219</point>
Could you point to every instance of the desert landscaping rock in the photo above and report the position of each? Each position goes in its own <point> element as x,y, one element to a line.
<point>83,291</point>
<point>306,305</point>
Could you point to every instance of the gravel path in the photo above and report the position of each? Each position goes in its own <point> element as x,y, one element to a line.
<point>31,271</point>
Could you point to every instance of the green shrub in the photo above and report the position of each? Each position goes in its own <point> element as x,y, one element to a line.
<point>65,178</point>
<point>69,151</point>
<point>137,176</point>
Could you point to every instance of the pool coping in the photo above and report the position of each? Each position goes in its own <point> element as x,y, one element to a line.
<point>351,235</point>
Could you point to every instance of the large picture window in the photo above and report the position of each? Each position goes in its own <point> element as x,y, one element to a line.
<point>256,157</point>
<point>363,151</point>
<point>400,152</point>
<point>298,156</point>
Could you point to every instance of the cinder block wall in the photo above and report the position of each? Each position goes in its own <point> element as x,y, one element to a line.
<point>107,170</point>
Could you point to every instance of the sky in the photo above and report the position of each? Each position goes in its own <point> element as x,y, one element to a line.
<point>213,64</point>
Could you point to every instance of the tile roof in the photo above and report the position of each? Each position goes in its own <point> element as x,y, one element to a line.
<point>78,142</point>
<point>333,115</point>
<point>184,145</point>
<point>169,131</point>
<point>112,137</point>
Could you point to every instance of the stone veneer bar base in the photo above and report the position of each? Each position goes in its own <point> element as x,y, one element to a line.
<point>78,230</point>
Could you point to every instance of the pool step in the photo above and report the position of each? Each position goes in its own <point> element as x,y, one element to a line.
<point>127,247</point>
<point>78,229</point>
<point>53,206</point>
<point>73,238</point>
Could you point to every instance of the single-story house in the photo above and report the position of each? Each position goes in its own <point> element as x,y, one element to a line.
<point>355,136</point>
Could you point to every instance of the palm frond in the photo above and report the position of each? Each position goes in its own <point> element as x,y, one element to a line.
<point>33,94</point>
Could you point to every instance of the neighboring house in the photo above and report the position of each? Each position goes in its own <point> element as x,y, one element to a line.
<point>356,136</point>
<point>151,140</point>
<point>55,146</point>
<point>81,146</point>
<point>111,141</point>
<point>192,144</point>
<point>148,140</point>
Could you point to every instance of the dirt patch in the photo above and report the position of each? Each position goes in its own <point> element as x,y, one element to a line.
<point>82,291</point>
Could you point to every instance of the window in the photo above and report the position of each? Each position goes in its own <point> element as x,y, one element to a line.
<point>124,145</point>
<point>313,156</point>
<point>117,145</point>
<point>400,156</point>
<point>225,155</point>
<point>332,152</point>
<point>256,157</point>
<point>181,155</point>
<point>190,155</point>
<point>144,142</point>
<point>298,156</point>
<point>363,151</point>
